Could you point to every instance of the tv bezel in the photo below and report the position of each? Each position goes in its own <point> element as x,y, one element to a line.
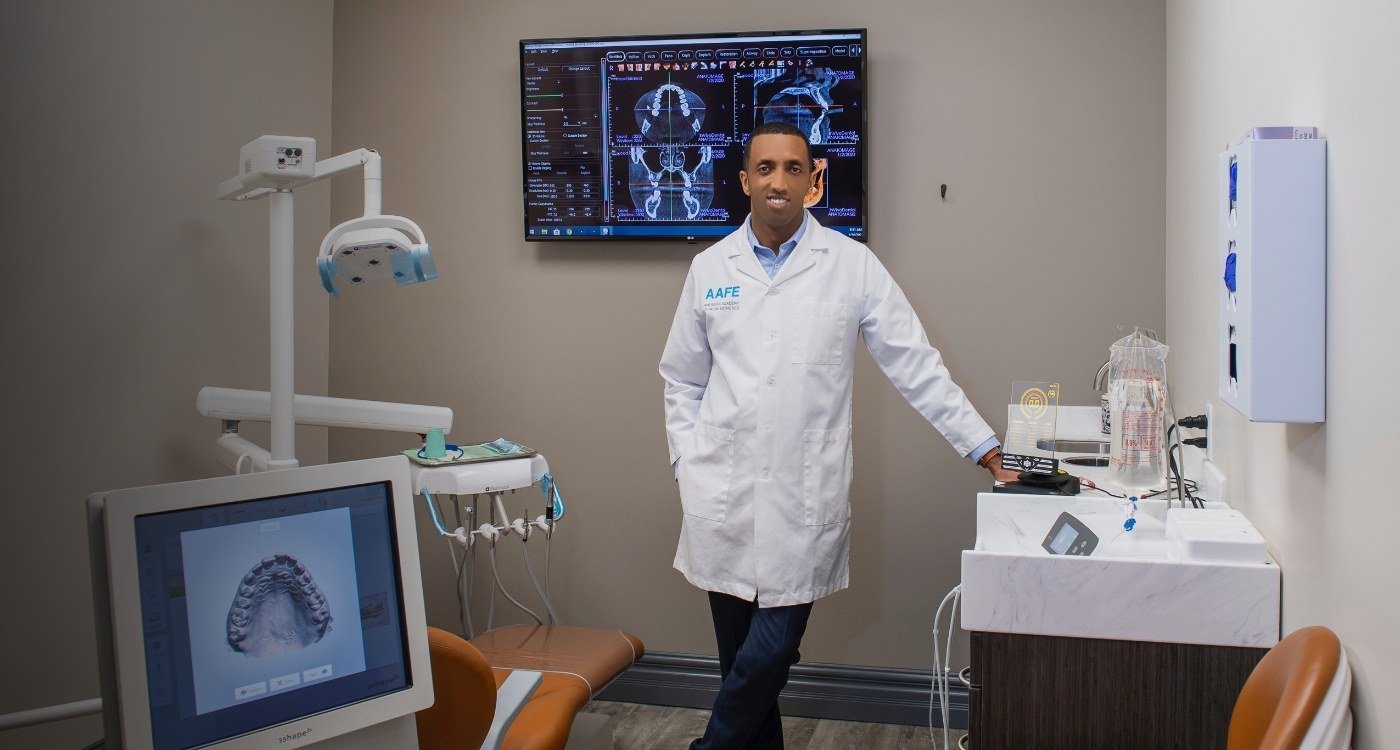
<point>690,239</point>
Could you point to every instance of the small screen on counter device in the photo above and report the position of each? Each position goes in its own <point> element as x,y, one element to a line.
<point>1064,539</point>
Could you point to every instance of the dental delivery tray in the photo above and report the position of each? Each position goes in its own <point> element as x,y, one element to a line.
<point>1214,535</point>
<point>471,454</point>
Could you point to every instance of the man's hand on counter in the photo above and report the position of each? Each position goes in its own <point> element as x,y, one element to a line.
<point>992,463</point>
<point>1004,475</point>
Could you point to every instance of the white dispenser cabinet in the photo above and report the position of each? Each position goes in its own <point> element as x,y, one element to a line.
<point>1273,279</point>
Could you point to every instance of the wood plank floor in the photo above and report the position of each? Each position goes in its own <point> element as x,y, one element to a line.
<point>640,727</point>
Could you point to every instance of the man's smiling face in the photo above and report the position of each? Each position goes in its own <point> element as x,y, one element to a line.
<point>776,179</point>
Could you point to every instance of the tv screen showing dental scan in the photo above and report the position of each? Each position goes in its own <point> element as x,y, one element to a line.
<point>258,612</point>
<point>643,137</point>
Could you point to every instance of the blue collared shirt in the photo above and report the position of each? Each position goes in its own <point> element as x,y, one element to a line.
<point>981,450</point>
<point>773,262</point>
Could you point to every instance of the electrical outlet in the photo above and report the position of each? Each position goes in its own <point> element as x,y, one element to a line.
<point>1210,433</point>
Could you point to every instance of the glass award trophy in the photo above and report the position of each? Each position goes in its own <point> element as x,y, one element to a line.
<point>1030,424</point>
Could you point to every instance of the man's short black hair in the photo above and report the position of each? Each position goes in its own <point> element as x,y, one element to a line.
<point>778,127</point>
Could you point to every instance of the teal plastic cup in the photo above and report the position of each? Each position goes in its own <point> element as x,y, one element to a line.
<point>435,446</point>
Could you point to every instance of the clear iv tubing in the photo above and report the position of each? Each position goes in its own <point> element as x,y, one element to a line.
<point>1181,467</point>
<point>940,670</point>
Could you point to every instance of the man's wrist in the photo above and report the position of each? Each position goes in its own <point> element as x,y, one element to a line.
<point>987,458</point>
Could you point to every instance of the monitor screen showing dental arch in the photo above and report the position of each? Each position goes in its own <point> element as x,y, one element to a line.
<point>269,609</point>
<point>273,608</point>
<point>643,137</point>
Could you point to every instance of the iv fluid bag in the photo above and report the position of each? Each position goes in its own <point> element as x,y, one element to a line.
<point>1137,402</point>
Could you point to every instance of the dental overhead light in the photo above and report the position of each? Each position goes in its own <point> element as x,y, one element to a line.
<point>373,247</point>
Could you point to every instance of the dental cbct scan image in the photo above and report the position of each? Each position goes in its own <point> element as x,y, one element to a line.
<point>272,606</point>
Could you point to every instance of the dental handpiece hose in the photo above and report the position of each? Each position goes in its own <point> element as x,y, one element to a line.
<point>495,572</point>
<point>501,511</point>
<point>529,568</point>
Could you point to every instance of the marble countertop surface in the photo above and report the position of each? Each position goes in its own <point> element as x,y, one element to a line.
<point>1130,588</point>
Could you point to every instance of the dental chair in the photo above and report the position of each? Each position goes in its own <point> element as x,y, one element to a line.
<point>521,687</point>
<point>1297,698</point>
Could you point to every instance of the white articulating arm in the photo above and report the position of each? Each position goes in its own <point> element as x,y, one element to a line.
<point>237,189</point>
<point>237,405</point>
<point>511,697</point>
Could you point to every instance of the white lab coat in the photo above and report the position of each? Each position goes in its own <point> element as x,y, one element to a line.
<point>758,409</point>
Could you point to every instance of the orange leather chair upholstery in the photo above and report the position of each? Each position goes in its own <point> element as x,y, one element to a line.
<point>575,664</point>
<point>1297,697</point>
<point>464,693</point>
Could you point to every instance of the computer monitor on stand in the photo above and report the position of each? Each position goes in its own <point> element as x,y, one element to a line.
<point>277,609</point>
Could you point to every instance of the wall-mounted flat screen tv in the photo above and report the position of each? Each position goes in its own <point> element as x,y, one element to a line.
<point>642,138</point>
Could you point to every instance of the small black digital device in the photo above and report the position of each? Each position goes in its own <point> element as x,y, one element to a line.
<point>1069,536</point>
<point>1036,483</point>
<point>1021,462</point>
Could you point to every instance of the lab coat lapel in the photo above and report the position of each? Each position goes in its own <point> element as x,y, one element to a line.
<point>743,259</point>
<point>804,256</point>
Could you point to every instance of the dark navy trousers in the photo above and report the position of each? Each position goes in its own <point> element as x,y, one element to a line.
<point>756,649</point>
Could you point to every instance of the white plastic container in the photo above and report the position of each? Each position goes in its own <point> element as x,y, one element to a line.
<point>1214,535</point>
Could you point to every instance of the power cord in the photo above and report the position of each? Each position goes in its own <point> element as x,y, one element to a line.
<point>1197,422</point>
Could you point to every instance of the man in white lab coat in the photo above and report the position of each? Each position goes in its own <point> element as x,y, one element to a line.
<point>758,370</point>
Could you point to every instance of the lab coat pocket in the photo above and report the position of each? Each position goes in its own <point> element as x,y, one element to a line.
<point>705,473</point>
<point>819,333</point>
<point>826,476</point>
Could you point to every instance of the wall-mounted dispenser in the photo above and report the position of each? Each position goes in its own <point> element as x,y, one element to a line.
<point>1273,275</point>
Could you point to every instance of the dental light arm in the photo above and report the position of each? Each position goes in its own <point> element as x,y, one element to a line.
<point>236,405</point>
<point>369,248</point>
<point>260,176</point>
<point>233,405</point>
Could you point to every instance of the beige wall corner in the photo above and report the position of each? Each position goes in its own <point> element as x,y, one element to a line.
<point>129,285</point>
<point>1315,491</point>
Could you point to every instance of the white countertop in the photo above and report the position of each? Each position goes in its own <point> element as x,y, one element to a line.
<point>1129,589</point>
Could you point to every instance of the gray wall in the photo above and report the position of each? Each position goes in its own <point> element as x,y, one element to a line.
<point>1311,489</point>
<point>1045,120</point>
<point>128,285</point>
